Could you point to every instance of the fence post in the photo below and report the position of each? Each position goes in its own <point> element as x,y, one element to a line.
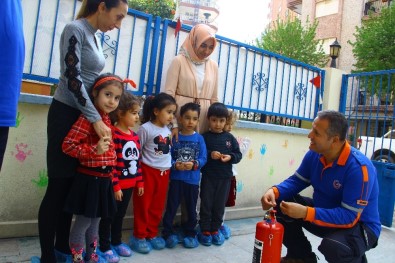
<point>333,84</point>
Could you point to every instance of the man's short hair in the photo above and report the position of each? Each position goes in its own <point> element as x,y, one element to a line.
<point>338,124</point>
<point>217,109</point>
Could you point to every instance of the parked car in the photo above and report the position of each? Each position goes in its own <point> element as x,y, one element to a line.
<point>379,148</point>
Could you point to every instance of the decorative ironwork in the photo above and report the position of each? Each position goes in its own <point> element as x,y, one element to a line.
<point>108,45</point>
<point>260,81</point>
<point>300,91</point>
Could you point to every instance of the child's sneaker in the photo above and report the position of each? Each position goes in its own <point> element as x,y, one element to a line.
<point>190,242</point>
<point>205,238</point>
<point>140,245</point>
<point>122,250</point>
<point>108,255</point>
<point>171,241</point>
<point>225,230</point>
<point>95,258</point>
<point>157,243</point>
<point>35,259</point>
<point>217,238</point>
<point>62,257</point>
<point>77,255</point>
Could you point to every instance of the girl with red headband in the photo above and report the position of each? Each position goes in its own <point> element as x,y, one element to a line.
<point>91,196</point>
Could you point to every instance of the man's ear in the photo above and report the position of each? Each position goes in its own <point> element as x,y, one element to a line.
<point>336,139</point>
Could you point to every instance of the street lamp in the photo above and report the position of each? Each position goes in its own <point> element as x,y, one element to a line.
<point>334,50</point>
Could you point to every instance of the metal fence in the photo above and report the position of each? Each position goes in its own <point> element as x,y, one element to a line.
<point>368,102</point>
<point>261,85</point>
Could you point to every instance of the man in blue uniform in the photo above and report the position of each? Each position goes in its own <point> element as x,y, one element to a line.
<point>11,66</point>
<point>344,207</point>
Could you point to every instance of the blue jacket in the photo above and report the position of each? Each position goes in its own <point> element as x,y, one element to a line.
<point>188,148</point>
<point>345,191</point>
<point>11,59</point>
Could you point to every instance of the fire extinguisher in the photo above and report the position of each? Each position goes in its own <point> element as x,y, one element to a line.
<point>268,240</point>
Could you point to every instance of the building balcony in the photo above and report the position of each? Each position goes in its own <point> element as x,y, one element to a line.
<point>374,7</point>
<point>207,7</point>
<point>295,5</point>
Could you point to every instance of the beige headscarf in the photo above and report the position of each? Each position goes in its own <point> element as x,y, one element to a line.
<point>198,34</point>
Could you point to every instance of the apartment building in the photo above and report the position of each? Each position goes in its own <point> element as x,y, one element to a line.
<point>194,12</point>
<point>337,19</point>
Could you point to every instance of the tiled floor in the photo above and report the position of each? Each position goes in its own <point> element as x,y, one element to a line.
<point>238,249</point>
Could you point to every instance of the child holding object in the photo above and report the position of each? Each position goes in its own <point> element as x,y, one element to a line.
<point>189,154</point>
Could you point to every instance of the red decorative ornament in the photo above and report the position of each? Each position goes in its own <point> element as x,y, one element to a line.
<point>178,27</point>
<point>316,81</point>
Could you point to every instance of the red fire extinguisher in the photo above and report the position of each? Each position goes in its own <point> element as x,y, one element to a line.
<point>268,240</point>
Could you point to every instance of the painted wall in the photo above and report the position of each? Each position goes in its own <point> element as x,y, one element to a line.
<point>274,154</point>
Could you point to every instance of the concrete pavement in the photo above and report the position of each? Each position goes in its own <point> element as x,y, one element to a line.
<point>238,249</point>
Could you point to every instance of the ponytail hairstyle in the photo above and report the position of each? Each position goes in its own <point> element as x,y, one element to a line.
<point>159,102</point>
<point>89,7</point>
<point>127,102</point>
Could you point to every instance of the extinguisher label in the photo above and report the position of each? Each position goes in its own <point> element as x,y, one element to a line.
<point>258,248</point>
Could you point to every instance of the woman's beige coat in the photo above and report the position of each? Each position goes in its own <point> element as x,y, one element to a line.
<point>181,84</point>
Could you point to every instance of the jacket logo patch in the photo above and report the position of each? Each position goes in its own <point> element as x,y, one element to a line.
<point>337,184</point>
<point>362,202</point>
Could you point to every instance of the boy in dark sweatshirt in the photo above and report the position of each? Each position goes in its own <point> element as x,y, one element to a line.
<point>222,151</point>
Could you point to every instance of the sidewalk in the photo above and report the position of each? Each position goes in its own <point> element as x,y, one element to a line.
<point>238,249</point>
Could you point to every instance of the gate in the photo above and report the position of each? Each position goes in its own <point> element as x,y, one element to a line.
<point>368,104</point>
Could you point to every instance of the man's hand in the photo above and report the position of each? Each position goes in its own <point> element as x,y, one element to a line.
<point>268,200</point>
<point>293,210</point>
<point>140,191</point>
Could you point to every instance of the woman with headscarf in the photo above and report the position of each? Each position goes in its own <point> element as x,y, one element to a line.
<point>192,75</point>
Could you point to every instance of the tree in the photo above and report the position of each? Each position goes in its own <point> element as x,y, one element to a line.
<point>374,46</point>
<point>162,8</point>
<point>374,49</point>
<point>290,39</point>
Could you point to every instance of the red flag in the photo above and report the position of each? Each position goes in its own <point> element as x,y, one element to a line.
<point>316,81</point>
<point>178,27</point>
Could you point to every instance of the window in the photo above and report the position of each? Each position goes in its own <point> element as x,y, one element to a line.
<point>325,8</point>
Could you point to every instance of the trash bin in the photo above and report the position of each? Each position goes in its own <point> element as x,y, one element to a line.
<point>386,179</point>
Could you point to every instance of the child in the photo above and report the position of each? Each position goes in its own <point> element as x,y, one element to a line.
<point>222,151</point>
<point>127,175</point>
<point>243,145</point>
<point>91,195</point>
<point>189,154</point>
<point>154,135</point>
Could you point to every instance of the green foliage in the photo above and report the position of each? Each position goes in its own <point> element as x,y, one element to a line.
<point>374,46</point>
<point>290,39</point>
<point>374,49</point>
<point>162,8</point>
